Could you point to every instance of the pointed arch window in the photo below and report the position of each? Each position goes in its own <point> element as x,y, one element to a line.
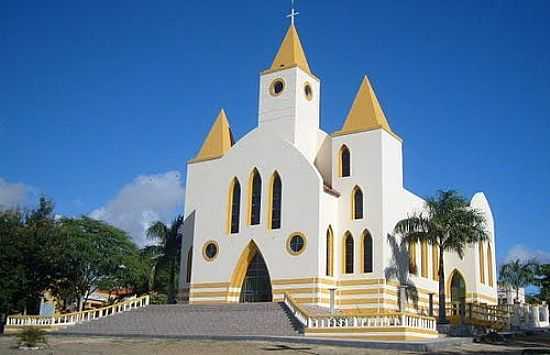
<point>424,258</point>
<point>348,254</point>
<point>329,253</point>
<point>490,265</point>
<point>276,197</point>
<point>235,206</point>
<point>481,263</point>
<point>367,252</point>
<point>255,197</point>
<point>357,203</point>
<point>189,263</point>
<point>345,161</point>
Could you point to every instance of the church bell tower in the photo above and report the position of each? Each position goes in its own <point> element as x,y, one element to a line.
<point>289,95</point>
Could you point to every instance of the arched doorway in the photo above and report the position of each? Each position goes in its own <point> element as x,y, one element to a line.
<point>256,285</point>
<point>458,288</point>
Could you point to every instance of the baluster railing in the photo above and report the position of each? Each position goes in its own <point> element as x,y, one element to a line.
<point>76,317</point>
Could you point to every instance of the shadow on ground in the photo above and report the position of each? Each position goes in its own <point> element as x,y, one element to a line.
<point>288,348</point>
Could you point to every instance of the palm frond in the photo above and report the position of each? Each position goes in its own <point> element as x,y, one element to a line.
<point>158,231</point>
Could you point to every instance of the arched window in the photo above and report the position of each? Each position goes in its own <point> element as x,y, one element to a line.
<point>412,258</point>
<point>490,264</point>
<point>345,161</point>
<point>255,197</point>
<point>329,255</point>
<point>357,203</point>
<point>235,206</point>
<point>189,263</point>
<point>275,203</point>
<point>348,253</point>
<point>424,258</point>
<point>367,252</point>
<point>481,263</point>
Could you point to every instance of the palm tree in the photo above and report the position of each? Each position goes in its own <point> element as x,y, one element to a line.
<point>517,274</point>
<point>449,223</point>
<point>170,240</point>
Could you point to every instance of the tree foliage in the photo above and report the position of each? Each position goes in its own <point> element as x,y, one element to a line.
<point>517,274</point>
<point>544,282</point>
<point>449,223</point>
<point>97,255</point>
<point>169,253</point>
<point>68,257</point>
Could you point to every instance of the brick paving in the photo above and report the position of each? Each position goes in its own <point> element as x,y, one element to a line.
<point>179,320</point>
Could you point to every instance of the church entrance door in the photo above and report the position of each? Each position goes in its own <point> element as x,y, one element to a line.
<point>458,288</point>
<point>257,283</point>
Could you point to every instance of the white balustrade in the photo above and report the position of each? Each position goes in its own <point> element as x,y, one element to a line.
<point>392,320</point>
<point>77,317</point>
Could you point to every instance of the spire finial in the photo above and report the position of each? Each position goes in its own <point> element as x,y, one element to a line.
<point>292,13</point>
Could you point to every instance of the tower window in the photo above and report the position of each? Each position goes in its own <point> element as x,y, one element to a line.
<point>308,91</point>
<point>357,203</point>
<point>276,196</point>
<point>255,198</point>
<point>367,252</point>
<point>277,87</point>
<point>348,254</point>
<point>345,162</point>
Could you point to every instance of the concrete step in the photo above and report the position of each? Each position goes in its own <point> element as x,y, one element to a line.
<point>180,320</point>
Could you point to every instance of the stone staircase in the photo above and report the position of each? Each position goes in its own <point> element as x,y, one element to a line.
<point>271,319</point>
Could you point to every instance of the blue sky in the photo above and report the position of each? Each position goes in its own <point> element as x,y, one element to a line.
<point>102,103</point>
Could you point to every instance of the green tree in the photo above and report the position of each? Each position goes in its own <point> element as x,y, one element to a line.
<point>517,274</point>
<point>96,254</point>
<point>29,257</point>
<point>11,268</point>
<point>170,239</point>
<point>449,223</point>
<point>544,282</point>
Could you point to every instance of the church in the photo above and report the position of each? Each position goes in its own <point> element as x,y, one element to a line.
<point>289,208</point>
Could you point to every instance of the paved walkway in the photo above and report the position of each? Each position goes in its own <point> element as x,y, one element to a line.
<point>72,345</point>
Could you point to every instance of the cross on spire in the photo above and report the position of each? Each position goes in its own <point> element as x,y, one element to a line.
<point>293,13</point>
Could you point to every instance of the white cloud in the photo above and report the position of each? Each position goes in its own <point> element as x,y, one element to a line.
<point>143,201</point>
<point>13,194</point>
<point>522,253</point>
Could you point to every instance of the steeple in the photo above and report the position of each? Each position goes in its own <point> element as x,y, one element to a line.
<point>291,53</point>
<point>365,113</point>
<point>218,141</point>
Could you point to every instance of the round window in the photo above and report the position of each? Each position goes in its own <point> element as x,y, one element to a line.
<point>308,91</point>
<point>296,244</point>
<point>210,250</point>
<point>277,87</point>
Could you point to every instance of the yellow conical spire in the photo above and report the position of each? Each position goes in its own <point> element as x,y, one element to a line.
<point>365,113</point>
<point>290,53</point>
<point>218,141</point>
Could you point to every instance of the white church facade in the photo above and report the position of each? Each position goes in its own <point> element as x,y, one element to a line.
<point>291,209</point>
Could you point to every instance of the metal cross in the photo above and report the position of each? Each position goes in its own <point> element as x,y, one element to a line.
<point>292,13</point>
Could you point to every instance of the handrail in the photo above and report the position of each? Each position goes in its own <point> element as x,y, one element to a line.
<point>496,316</point>
<point>298,311</point>
<point>76,317</point>
<point>359,320</point>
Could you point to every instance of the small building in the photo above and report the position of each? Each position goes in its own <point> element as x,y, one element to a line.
<point>508,295</point>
